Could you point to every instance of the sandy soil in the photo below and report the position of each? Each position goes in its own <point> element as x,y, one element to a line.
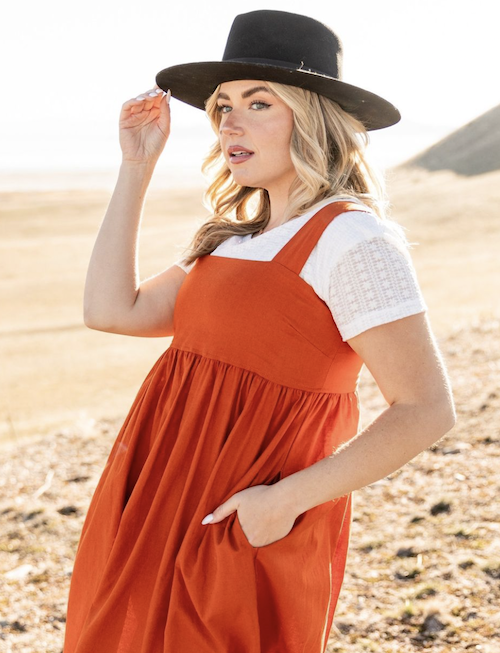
<point>56,370</point>
<point>425,558</point>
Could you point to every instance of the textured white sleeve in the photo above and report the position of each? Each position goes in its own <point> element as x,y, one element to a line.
<point>374,283</point>
<point>363,271</point>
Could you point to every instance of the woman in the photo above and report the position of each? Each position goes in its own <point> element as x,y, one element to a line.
<point>221,521</point>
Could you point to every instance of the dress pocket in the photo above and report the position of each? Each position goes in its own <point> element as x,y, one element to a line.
<point>239,534</point>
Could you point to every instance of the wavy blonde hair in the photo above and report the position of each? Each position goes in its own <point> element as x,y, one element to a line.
<point>328,151</point>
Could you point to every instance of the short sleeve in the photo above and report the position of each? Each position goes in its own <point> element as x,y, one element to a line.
<point>362,269</point>
<point>373,283</point>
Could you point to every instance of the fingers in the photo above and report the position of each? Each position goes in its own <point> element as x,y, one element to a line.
<point>223,511</point>
<point>145,101</point>
<point>152,93</point>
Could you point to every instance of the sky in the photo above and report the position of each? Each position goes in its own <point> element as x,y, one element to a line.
<point>67,67</point>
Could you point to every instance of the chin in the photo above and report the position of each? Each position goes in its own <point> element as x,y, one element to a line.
<point>243,180</point>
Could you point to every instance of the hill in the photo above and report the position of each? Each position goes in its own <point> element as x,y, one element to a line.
<point>474,149</point>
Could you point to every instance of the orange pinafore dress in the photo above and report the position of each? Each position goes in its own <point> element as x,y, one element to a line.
<point>256,385</point>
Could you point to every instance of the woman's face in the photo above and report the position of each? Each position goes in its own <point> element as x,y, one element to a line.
<point>254,133</point>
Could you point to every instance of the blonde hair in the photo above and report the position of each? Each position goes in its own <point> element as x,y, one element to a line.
<point>327,149</point>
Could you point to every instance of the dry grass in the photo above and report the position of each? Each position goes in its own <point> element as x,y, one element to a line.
<point>54,369</point>
<point>455,223</point>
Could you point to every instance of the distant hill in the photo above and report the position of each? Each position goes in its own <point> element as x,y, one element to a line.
<point>471,150</point>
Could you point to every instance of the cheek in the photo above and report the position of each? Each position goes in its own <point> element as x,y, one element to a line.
<point>278,138</point>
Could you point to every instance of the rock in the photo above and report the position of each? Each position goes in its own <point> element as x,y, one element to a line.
<point>18,573</point>
<point>489,440</point>
<point>68,511</point>
<point>466,564</point>
<point>438,508</point>
<point>408,574</point>
<point>78,479</point>
<point>493,570</point>
<point>432,624</point>
<point>31,515</point>
<point>343,627</point>
<point>18,626</point>
<point>406,552</point>
<point>459,447</point>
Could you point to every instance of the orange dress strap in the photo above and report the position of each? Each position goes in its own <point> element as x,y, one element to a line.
<point>298,249</point>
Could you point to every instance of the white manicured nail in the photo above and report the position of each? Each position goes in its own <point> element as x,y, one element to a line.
<point>207,519</point>
<point>169,95</point>
<point>152,94</point>
<point>141,97</point>
<point>158,90</point>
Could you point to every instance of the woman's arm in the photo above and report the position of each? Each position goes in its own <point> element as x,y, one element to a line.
<point>405,363</point>
<point>407,367</point>
<point>115,300</point>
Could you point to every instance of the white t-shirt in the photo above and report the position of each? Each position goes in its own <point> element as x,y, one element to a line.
<point>360,266</point>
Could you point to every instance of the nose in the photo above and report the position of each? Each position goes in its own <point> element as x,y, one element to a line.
<point>230,124</point>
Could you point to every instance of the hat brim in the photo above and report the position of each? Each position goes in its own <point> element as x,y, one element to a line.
<point>193,83</point>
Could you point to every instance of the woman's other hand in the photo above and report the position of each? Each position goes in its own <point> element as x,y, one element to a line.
<point>145,126</point>
<point>264,514</point>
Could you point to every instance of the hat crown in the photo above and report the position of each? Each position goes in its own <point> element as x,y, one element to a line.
<point>284,48</point>
<point>282,37</point>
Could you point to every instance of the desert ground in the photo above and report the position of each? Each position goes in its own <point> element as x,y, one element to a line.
<point>424,565</point>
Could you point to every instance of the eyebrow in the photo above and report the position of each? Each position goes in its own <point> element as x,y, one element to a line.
<point>245,94</point>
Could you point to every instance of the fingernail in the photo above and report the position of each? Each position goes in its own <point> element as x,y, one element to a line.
<point>207,519</point>
<point>152,94</point>
<point>158,90</point>
<point>140,97</point>
<point>169,95</point>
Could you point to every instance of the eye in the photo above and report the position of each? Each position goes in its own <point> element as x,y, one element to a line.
<point>221,108</point>
<point>260,105</point>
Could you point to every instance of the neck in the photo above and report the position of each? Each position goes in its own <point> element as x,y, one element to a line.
<point>278,200</point>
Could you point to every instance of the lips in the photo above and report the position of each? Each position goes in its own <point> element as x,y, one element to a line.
<point>239,154</point>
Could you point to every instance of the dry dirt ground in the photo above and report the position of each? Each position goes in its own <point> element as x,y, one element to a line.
<point>424,564</point>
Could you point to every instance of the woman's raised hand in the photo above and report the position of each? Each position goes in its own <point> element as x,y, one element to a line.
<point>145,126</point>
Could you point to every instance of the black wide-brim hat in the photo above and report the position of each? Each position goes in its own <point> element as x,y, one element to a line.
<point>278,46</point>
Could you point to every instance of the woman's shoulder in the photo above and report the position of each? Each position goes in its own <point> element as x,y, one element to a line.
<point>353,227</point>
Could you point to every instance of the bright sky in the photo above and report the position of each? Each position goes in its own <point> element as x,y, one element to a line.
<point>67,68</point>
